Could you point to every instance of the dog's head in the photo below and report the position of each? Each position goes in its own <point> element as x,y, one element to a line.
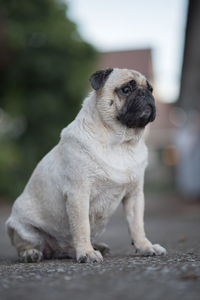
<point>124,96</point>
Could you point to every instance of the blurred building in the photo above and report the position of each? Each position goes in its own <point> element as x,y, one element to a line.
<point>140,59</point>
<point>188,136</point>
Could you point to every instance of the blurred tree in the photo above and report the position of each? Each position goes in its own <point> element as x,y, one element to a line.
<point>44,68</point>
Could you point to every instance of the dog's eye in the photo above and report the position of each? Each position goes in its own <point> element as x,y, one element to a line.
<point>126,90</point>
<point>149,87</point>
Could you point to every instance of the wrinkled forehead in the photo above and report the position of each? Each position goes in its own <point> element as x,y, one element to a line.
<point>120,76</point>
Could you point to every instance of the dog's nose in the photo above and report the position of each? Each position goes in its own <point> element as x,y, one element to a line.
<point>146,112</point>
<point>148,115</point>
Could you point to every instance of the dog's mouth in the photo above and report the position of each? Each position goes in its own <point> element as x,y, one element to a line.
<point>136,120</point>
<point>137,112</point>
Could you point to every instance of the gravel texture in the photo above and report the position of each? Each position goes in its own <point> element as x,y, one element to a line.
<point>123,274</point>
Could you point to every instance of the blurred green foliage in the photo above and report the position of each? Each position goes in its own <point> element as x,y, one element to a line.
<point>44,73</point>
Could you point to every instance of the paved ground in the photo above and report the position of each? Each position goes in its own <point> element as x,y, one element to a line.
<point>123,274</point>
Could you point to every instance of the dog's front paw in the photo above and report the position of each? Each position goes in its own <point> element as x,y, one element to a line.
<point>147,249</point>
<point>30,256</point>
<point>91,256</point>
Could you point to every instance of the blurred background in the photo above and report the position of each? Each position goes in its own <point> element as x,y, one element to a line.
<point>49,48</point>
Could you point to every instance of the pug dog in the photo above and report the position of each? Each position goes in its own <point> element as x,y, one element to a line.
<point>99,162</point>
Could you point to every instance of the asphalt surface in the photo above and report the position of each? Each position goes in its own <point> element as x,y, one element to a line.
<point>123,274</point>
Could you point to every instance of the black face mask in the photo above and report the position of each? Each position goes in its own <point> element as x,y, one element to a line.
<point>139,108</point>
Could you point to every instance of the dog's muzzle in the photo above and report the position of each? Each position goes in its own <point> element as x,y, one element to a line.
<point>138,110</point>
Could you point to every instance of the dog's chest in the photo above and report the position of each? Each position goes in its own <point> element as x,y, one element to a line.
<point>105,198</point>
<point>115,175</point>
<point>119,166</point>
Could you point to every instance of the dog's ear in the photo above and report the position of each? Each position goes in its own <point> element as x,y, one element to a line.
<point>98,79</point>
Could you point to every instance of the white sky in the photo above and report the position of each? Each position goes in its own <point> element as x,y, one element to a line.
<point>126,25</point>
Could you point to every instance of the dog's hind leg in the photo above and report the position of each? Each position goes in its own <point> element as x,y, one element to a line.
<point>28,251</point>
